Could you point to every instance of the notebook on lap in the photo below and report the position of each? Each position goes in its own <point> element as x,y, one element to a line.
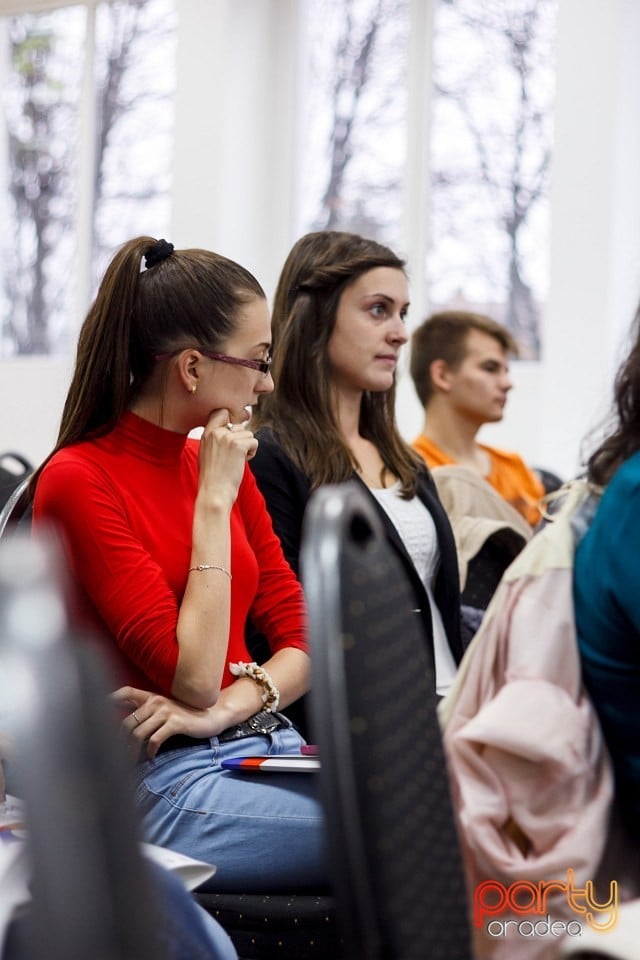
<point>283,763</point>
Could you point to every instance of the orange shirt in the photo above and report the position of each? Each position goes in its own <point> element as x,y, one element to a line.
<point>509,475</point>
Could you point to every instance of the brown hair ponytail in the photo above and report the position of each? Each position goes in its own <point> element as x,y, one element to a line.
<point>183,298</point>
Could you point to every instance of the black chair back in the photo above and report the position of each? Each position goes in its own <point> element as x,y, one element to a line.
<point>16,510</point>
<point>397,870</point>
<point>14,468</point>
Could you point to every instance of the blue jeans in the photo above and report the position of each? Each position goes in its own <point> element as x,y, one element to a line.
<point>187,931</point>
<point>264,832</point>
<point>184,930</point>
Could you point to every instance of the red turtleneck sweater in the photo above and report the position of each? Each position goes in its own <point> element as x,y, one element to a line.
<point>124,505</point>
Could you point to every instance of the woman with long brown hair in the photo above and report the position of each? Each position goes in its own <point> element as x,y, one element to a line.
<point>339,323</point>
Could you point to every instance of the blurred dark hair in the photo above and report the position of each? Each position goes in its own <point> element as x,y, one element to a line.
<point>624,440</point>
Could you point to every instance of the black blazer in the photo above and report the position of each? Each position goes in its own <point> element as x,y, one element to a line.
<point>287,490</point>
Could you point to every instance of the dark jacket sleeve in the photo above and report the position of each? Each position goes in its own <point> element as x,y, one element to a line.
<point>286,491</point>
<point>447,586</point>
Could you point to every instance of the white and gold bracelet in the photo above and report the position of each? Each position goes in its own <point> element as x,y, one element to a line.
<point>270,693</point>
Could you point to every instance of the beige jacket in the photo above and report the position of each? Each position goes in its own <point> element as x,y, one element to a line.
<point>476,512</point>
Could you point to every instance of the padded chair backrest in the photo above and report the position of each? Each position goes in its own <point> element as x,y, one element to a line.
<point>14,508</point>
<point>92,896</point>
<point>13,469</point>
<point>394,851</point>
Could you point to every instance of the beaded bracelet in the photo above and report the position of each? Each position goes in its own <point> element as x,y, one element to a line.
<point>271,694</point>
<point>210,566</point>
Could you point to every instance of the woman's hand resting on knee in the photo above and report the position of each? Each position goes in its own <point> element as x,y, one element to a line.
<point>153,718</point>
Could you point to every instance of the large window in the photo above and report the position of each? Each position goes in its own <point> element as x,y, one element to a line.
<point>100,75</point>
<point>489,116</point>
<point>353,129</point>
<point>86,131</point>
<point>491,142</point>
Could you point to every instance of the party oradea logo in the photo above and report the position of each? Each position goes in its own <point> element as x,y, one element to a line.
<point>523,908</point>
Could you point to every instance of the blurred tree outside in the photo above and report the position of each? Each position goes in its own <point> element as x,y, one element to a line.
<point>492,138</point>
<point>135,83</point>
<point>135,78</point>
<point>41,128</point>
<point>491,144</point>
<point>354,122</point>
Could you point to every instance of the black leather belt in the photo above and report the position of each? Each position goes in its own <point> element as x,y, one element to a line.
<point>263,722</point>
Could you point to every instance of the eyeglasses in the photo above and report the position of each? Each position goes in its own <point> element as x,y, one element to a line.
<point>263,366</point>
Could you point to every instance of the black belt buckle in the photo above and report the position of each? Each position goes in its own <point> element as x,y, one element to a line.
<point>264,722</point>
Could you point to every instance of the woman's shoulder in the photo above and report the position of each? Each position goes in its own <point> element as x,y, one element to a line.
<point>424,479</point>
<point>69,479</point>
<point>616,517</point>
<point>76,459</point>
<point>276,473</point>
<point>267,438</point>
<point>270,451</point>
<point>627,475</point>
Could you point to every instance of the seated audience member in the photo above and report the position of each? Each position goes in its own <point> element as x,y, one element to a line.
<point>171,548</point>
<point>459,366</point>
<point>339,323</point>
<point>607,587</point>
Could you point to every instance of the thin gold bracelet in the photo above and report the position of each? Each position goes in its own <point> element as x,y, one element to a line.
<point>210,566</point>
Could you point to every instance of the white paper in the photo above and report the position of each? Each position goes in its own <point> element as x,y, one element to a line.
<point>191,872</point>
<point>14,880</point>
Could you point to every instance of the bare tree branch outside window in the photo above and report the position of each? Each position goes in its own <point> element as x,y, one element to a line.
<point>135,61</point>
<point>41,110</point>
<point>134,88</point>
<point>355,116</point>
<point>491,152</point>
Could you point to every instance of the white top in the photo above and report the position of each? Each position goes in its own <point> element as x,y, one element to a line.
<point>417,530</point>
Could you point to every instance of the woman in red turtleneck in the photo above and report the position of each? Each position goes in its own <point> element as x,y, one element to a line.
<point>171,549</point>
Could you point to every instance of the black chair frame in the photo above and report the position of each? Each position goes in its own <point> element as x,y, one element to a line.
<point>396,863</point>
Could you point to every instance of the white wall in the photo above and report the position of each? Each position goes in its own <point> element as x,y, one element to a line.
<point>32,392</point>
<point>235,130</point>
<point>595,244</point>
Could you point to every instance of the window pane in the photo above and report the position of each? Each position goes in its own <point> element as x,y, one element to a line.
<point>491,143</point>
<point>42,62</point>
<point>135,68</point>
<point>353,130</point>
<point>42,57</point>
